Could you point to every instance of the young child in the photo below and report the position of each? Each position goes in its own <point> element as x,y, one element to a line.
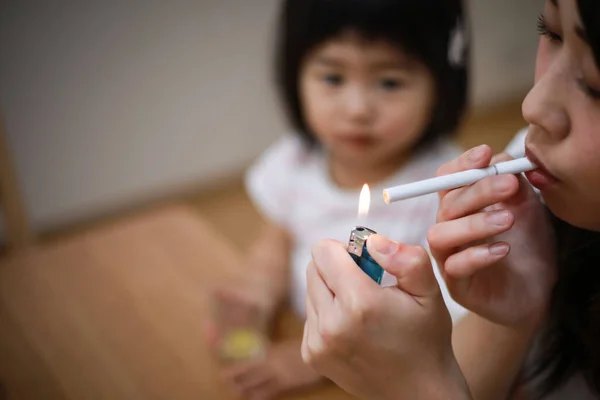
<point>374,90</point>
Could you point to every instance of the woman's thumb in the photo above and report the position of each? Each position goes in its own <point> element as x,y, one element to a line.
<point>409,264</point>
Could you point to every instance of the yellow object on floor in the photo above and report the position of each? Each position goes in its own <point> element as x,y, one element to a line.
<point>242,344</point>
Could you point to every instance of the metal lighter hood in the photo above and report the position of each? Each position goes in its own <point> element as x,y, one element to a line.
<point>358,239</point>
<point>357,247</point>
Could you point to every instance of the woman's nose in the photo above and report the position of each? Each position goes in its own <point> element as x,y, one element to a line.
<point>545,105</point>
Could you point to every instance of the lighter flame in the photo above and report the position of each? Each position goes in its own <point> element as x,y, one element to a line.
<point>364,201</point>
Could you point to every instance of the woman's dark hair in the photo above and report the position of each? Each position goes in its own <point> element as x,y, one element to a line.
<point>422,28</point>
<point>570,343</point>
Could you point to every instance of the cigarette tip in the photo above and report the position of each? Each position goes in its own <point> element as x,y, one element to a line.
<point>386,196</point>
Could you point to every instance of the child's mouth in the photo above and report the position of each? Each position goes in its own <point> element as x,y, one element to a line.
<point>358,141</point>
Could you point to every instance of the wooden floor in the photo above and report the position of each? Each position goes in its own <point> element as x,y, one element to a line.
<point>114,310</point>
<point>117,312</point>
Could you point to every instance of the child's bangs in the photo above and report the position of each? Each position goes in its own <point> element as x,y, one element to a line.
<point>408,24</point>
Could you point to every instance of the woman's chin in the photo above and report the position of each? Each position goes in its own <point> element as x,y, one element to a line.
<point>574,213</point>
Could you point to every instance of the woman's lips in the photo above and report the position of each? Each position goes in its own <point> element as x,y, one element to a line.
<point>540,177</point>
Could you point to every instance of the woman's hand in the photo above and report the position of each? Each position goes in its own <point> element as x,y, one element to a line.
<point>494,245</point>
<point>374,342</point>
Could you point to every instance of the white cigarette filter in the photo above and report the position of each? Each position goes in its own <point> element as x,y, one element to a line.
<point>456,180</point>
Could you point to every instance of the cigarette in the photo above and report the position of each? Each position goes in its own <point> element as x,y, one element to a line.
<point>456,180</point>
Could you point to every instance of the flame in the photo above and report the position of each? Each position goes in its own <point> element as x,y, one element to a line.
<point>364,201</point>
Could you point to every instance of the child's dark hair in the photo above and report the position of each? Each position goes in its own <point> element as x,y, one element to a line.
<point>422,28</point>
<point>570,343</point>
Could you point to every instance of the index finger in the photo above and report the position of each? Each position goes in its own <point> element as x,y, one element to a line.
<point>501,157</point>
<point>317,290</point>
<point>477,157</point>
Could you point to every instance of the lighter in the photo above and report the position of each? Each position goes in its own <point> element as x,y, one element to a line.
<point>357,247</point>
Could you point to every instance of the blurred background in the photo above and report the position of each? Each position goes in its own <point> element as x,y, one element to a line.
<point>125,128</point>
<point>109,104</point>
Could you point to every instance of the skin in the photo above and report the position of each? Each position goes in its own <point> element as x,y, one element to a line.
<point>380,343</point>
<point>563,112</point>
<point>492,243</point>
<point>367,103</point>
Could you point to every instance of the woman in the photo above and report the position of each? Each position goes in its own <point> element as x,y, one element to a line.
<point>528,272</point>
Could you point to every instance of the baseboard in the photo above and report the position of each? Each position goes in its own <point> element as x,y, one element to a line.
<point>175,194</point>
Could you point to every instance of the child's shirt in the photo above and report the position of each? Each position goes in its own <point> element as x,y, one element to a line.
<point>291,186</point>
<point>516,147</point>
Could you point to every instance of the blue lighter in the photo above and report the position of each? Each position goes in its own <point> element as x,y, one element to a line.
<point>357,247</point>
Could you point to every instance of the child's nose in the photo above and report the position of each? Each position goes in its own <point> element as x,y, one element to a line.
<point>358,103</point>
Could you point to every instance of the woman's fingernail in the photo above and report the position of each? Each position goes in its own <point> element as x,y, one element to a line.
<point>477,153</point>
<point>382,245</point>
<point>499,218</point>
<point>499,249</point>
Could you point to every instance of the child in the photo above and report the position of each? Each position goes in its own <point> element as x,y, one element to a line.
<point>374,90</point>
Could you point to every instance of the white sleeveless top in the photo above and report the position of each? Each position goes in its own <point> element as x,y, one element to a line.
<point>290,185</point>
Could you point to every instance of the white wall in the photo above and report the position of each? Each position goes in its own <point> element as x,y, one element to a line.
<point>504,39</point>
<point>112,102</point>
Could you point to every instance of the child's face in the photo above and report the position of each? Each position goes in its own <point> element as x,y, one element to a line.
<point>366,101</point>
<point>563,110</point>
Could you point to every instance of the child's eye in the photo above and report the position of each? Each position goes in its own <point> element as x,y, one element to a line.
<point>390,84</point>
<point>544,31</point>
<point>333,79</point>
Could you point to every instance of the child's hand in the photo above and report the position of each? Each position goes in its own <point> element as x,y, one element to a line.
<point>257,293</point>
<point>380,343</point>
<point>494,244</point>
<point>239,313</point>
<point>281,371</point>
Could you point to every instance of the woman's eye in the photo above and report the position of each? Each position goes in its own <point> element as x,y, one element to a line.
<point>333,79</point>
<point>390,84</point>
<point>588,90</point>
<point>544,31</point>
